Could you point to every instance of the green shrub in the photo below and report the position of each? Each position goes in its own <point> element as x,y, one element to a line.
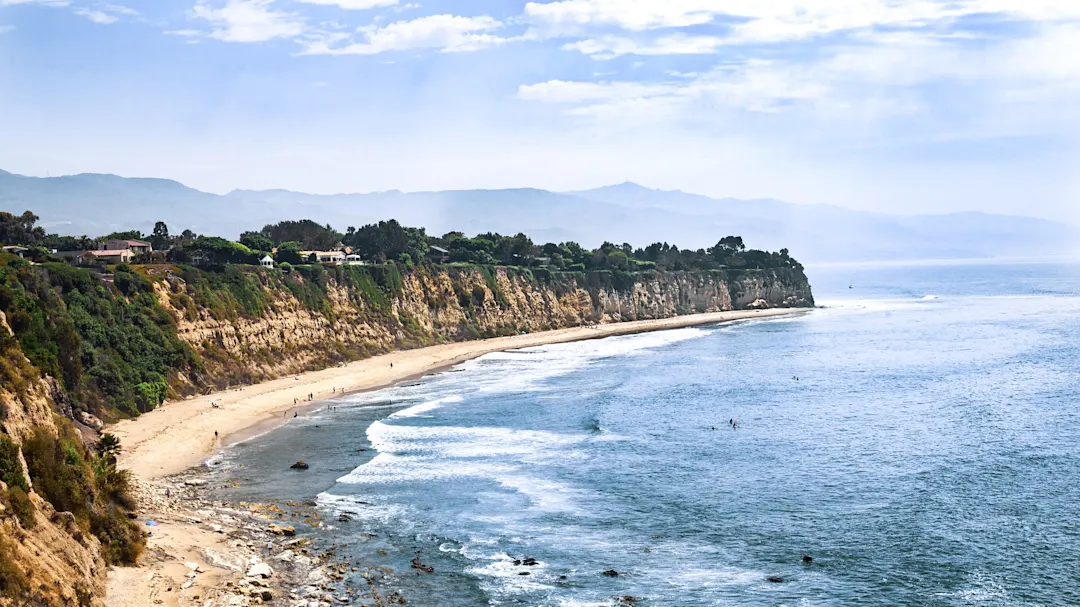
<point>60,474</point>
<point>74,480</point>
<point>10,469</point>
<point>122,542</point>
<point>13,582</point>
<point>22,507</point>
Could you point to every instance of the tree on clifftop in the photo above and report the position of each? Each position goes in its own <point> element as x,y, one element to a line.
<point>19,229</point>
<point>159,238</point>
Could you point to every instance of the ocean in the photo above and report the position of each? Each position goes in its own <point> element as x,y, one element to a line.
<point>918,436</point>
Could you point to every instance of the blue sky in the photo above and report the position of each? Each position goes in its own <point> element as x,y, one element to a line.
<point>901,106</point>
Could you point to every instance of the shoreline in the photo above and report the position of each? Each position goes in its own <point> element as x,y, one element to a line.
<point>179,437</point>
<point>188,426</point>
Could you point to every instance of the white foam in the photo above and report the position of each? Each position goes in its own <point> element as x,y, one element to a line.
<point>417,410</point>
<point>505,577</point>
<point>351,505</point>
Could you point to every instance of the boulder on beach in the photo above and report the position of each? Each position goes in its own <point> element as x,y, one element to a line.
<point>287,531</point>
<point>260,570</point>
<point>300,465</point>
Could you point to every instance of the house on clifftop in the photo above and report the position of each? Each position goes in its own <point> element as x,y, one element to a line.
<point>137,247</point>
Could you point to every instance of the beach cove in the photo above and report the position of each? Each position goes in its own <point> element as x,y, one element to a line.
<point>181,435</point>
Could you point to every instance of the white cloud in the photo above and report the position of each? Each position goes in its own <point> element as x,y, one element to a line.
<point>107,13</point>
<point>448,33</point>
<point>6,28</point>
<point>633,15</point>
<point>183,33</point>
<point>561,91</point>
<point>248,21</point>
<point>97,16</point>
<point>782,20</point>
<point>120,10</point>
<point>356,5</point>
<point>609,47</point>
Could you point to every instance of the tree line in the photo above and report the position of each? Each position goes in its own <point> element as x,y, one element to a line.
<point>389,241</point>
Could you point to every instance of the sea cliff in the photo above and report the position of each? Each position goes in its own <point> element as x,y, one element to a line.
<point>305,322</point>
<point>79,347</point>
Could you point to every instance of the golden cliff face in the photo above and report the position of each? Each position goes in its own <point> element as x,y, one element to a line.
<point>60,563</point>
<point>454,304</point>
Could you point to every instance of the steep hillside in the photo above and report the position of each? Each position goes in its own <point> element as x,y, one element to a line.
<point>49,557</point>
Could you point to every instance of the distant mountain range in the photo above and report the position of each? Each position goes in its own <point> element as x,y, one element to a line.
<point>95,204</point>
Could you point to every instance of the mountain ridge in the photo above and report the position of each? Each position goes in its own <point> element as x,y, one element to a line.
<point>626,212</point>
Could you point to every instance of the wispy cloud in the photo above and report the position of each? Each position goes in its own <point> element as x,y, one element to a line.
<point>756,21</point>
<point>97,16</point>
<point>120,10</point>
<point>248,20</point>
<point>756,86</point>
<point>42,2</point>
<point>6,28</point>
<point>189,33</point>
<point>610,47</point>
<point>447,33</point>
<point>356,5</point>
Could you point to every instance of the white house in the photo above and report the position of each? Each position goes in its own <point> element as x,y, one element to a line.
<point>323,256</point>
<point>267,262</point>
<point>354,260</point>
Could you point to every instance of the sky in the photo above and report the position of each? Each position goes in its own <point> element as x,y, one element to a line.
<point>897,106</point>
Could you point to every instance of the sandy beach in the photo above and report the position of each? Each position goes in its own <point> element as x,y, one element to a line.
<point>180,435</point>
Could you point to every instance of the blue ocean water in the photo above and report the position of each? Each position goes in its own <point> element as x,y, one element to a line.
<point>928,453</point>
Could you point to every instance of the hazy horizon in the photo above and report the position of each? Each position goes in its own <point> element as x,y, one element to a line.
<point>633,184</point>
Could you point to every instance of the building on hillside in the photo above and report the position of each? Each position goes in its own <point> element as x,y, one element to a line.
<point>355,260</point>
<point>100,258</point>
<point>15,250</point>
<point>438,254</point>
<point>267,262</point>
<point>323,256</point>
<point>138,247</point>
